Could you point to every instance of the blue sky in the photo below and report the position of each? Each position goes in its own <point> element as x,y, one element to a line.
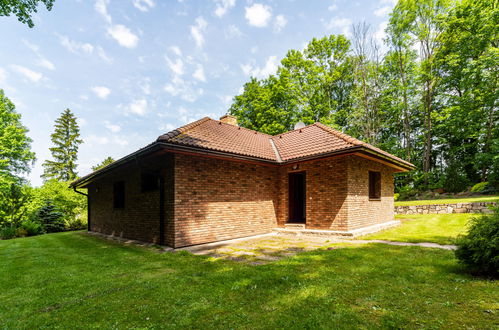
<point>133,69</point>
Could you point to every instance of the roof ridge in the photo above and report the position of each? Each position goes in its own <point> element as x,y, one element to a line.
<point>341,135</point>
<point>241,127</point>
<point>182,129</point>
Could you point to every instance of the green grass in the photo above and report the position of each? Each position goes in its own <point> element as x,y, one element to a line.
<point>473,199</point>
<point>71,280</point>
<point>434,228</point>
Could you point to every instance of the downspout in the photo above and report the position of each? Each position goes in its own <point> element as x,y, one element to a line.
<point>88,206</point>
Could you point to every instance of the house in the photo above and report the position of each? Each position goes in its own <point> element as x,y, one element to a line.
<point>213,180</point>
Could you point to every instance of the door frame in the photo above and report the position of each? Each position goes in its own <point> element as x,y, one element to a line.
<point>291,207</point>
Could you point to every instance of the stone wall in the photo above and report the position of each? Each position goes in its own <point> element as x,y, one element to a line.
<point>445,208</point>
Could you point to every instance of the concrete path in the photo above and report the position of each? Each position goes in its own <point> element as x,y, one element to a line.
<point>423,244</point>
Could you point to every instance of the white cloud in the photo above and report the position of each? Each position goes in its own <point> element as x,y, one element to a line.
<point>44,63</point>
<point>176,50</point>
<point>112,127</point>
<point>75,46</point>
<point>81,121</point>
<point>101,92</point>
<point>103,55</point>
<point>93,140</point>
<point>145,86</point>
<point>144,5</point>
<point>185,90</point>
<point>269,68</point>
<point>123,35</point>
<point>176,66</point>
<point>383,11</point>
<point>280,23</point>
<point>258,15</point>
<point>100,6</point>
<point>333,7</point>
<point>199,73</point>
<point>28,73</point>
<point>223,7</point>
<point>197,31</point>
<point>167,127</point>
<point>341,24</point>
<point>379,36</point>
<point>138,107</point>
<point>232,31</point>
<point>392,2</point>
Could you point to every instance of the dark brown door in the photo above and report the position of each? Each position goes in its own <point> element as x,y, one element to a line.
<point>297,197</point>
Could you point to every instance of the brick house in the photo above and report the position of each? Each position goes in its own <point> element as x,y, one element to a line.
<point>212,180</point>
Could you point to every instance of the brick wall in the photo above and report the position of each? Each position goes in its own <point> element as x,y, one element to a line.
<point>326,191</point>
<point>219,199</point>
<point>362,211</point>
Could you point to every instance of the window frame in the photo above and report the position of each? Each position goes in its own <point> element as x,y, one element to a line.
<point>374,185</point>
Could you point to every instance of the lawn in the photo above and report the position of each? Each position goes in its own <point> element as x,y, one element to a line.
<point>435,228</point>
<point>474,199</point>
<point>71,280</point>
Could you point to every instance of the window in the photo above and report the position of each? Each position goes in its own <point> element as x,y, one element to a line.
<point>119,195</point>
<point>149,182</point>
<point>374,185</point>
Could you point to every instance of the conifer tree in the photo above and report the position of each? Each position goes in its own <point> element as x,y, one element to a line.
<point>66,140</point>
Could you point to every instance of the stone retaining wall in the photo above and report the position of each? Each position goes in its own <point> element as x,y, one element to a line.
<point>445,208</point>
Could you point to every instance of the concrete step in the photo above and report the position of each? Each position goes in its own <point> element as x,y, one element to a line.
<point>296,226</point>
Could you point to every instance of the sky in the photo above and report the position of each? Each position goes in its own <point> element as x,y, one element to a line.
<point>131,70</point>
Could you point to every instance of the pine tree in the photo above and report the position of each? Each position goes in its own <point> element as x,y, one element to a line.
<point>50,217</point>
<point>66,139</point>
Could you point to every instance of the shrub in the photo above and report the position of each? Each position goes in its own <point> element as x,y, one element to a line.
<point>51,218</point>
<point>455,179</point>
<point>478,250</point>
<point>406,192</point>
<point>76,224</point>
<point>8,232</point>
<point>479,187</point>
<point>396,197</point>
<point>32,228</point>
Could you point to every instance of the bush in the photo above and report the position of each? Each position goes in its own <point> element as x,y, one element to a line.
<point>76,224</point>
<point>32,228</point>
<point>8,232</point>
<point>396,197</point>
<point>479,187</point>
<point>478,250</point>
<point>455,179</point>
<point>51,218</point>
<point>406,192</point>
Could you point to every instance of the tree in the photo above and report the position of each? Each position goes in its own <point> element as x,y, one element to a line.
<point>66,139</point>
<point>23,9</point>
<point>104,163</point>
<point>16,156</point>
<point>50,217</point>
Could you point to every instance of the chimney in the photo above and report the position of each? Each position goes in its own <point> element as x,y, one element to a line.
<point>229,119</point>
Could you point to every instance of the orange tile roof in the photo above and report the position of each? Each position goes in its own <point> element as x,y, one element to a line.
<point>309,141</point>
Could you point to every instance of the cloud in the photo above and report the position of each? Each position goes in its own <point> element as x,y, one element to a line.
<point>333,7</point>
<point>258,15</point>
<point>101,92</point>
<point>342,24</point>
<point>197,31</point>
<point>167,127</point>
<point>280,23</point>
<point>100,6</point>
<point>269,68</point>
<point>137,107</point>
<point>199,73</point>
<point>75,46</point>
<point>112,127</point>
<point>123,35</point>
<point>383,11</point>
<point>176,50</point>
<point>186,90</point>
<point>145,86</point>
<point>232,31</point>
<point>176,66</point>
<point>41,61</point>
<point>144,5</point>
<point>102,54</point>
<point>28,73</point>
<point>44,63</point>
<point>223,7</point>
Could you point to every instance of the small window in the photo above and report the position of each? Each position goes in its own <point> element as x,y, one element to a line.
<point>149,182</point>
<point>119,195</point>
<point>374,185</point>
